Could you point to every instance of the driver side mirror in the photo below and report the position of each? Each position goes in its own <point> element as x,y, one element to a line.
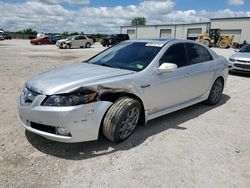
<point>166,67</point>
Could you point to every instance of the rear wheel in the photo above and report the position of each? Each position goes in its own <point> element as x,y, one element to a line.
<point>121,119</point>
<point>215,92</point>
<point>88,45</point>
<point>223,44</point>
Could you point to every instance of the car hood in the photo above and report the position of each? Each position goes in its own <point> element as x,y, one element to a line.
<point>63,40</point>
<point>36,39</point>
<point>244,56</point>
<point>70,77</point>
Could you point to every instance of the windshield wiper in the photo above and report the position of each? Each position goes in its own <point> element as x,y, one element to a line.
<point>108,65</point>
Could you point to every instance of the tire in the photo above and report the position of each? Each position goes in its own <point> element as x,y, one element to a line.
<point>88,45</point>
<point>121,119</point>
<point>67,46</point>
<point>215,93</point>
<point>224,44</point>
<point>205,42</point>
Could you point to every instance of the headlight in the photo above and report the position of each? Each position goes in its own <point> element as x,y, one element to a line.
<point>232,60</point>
<point>70,99</point>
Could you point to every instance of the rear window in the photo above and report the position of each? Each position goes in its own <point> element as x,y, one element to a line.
<point>198,54</point>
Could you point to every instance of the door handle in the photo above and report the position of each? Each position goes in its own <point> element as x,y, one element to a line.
<point>187,74</point>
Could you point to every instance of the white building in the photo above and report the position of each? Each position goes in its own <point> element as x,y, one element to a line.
<point>239,27</point>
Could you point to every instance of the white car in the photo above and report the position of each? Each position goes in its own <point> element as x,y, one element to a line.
<point>78,41</point>
<point>240,61</point>
<point>125,85</point>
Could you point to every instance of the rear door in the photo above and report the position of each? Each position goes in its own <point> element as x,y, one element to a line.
<point>201,69</point>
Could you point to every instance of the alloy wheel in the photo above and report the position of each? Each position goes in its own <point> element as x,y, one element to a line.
<point>216,91</point>
<point>129,123</point>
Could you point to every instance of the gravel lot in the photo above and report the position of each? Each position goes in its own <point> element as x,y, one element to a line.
<point>199,146</point>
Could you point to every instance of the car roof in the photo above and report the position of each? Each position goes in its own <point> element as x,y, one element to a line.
<point>161,41</point>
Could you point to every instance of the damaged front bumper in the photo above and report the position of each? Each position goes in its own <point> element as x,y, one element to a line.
<point>82,122</point>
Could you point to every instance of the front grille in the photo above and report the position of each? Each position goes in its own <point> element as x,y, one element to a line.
<point>242,66</point>
<point>243,61</point>
<point>44,128</point>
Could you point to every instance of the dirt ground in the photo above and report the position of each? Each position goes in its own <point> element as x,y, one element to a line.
<point>199,146</point>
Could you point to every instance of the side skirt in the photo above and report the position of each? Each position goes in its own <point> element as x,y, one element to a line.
<point>175,108</point>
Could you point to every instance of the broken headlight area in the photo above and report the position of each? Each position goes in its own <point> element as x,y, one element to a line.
<point>72,99</point>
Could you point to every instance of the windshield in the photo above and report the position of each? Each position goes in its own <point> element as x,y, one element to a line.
<point>69,37</point>
<point>245,48</point>
<point>134,56</point>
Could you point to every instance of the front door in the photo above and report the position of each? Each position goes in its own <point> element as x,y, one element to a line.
<point>170,89</point>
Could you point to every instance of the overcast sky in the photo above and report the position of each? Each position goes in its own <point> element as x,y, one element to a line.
<point>106,16</point>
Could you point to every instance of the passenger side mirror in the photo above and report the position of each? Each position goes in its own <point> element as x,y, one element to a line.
<point>166,67</point>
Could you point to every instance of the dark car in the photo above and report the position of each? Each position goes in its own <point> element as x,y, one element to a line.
<point>40,41</point>
<point>114,39</point>
<point>1,37</point>
<point>54,38</point>
<point>7,36</point>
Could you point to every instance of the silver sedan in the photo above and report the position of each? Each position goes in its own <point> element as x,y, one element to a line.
<point>240,61</point>
<point>123,86</point>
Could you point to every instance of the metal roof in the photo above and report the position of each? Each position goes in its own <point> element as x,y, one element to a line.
<point>174,24</point>
<point>231,18</point>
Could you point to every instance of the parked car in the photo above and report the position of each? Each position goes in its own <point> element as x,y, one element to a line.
<point>240,61</point>
<point>54,38</point>
<point>78,41</point>
<point>7,36</point>
<point>1,37</point>
<point>114,39</point>
<point>41,41</point>
<point>125,85</point>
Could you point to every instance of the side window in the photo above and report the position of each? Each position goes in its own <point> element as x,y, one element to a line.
<point>82,38</point>
<point>175,54</point>
<point>78,38</point>
<point>198,54</point>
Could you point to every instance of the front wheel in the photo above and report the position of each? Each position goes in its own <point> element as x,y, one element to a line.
<point>121,119</point>
<point>205,42</point>
<point>88,45</point>
<point>215,93</point>
<point>68,46</point>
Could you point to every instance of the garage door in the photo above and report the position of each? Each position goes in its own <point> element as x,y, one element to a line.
<point>165,33</point>
<point>236,33</point>
<point>193,33</point>
<point>131,33</point>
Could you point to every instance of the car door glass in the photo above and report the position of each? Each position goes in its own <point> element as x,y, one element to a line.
<point>78,38</point>
<point>175,54</point>
<point>198,53</point>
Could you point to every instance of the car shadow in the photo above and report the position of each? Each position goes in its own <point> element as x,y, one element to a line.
<point>85,150</point>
